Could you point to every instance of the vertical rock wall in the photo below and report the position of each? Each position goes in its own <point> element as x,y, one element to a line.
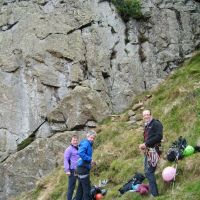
<point>65,63</point>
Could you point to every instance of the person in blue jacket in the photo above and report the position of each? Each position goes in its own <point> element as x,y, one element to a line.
<point>84,165</point>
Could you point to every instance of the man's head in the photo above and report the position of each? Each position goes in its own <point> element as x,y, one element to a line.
<point>91,135</point>
<point>74,140</point>
<point>147,115</point>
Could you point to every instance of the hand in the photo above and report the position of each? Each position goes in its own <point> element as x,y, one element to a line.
<point>68,173</point>
<point>93,163</point>
<point>142,146</point>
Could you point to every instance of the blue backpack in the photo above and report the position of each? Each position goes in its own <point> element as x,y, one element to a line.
<point>138,178</point>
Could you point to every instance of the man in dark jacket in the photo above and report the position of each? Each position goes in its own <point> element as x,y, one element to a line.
<point>70,162</point>
<point>153,133</point>
<point>84,166</point>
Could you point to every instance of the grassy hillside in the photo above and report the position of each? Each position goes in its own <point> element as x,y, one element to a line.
<point>176,102</point>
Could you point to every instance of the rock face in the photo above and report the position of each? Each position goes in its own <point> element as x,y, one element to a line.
<point>80,106</point>
<point>21,170</point>
<point>66,63</point>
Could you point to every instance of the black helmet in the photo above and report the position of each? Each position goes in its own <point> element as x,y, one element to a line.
<point>95,190</point>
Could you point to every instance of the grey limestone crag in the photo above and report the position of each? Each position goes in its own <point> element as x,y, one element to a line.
<point>64,64</point>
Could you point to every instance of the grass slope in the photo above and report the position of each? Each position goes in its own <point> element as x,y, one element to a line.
<point>176,102</point>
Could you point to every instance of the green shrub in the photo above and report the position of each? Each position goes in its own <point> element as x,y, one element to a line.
<point>128,8</point>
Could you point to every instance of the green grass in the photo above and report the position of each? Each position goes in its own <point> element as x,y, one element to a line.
<point>176,102</point>
<point>59,190</point>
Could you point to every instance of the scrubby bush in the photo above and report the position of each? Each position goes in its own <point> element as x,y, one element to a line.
<point>128,8</point>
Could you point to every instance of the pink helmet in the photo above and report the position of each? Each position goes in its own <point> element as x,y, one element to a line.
<point>168,174</point>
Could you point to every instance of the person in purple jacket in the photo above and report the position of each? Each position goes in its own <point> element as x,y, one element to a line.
<point>70,163</point>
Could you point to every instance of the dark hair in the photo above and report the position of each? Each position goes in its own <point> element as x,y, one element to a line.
<point>74,136</point>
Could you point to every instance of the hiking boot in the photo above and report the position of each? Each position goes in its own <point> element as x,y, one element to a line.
<point>152,197</point>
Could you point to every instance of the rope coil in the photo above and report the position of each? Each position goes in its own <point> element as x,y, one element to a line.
<point>152,157</point>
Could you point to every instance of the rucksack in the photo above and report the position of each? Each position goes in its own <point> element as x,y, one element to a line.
<point>97,190</point>
<point>175,152</point>
<point>94,191</point>
<point>138,178</point>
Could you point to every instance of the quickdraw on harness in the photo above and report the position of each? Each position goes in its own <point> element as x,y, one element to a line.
<point>152,156</point>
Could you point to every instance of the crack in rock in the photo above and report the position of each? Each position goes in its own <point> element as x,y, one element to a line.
<point>7,27</point>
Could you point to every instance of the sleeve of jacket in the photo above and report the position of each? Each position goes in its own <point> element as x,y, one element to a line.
<point>157,134</point>
<point>67,155</point>
<point>82,151</point>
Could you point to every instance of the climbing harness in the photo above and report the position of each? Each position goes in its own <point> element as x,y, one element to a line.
<point>152,157</point>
